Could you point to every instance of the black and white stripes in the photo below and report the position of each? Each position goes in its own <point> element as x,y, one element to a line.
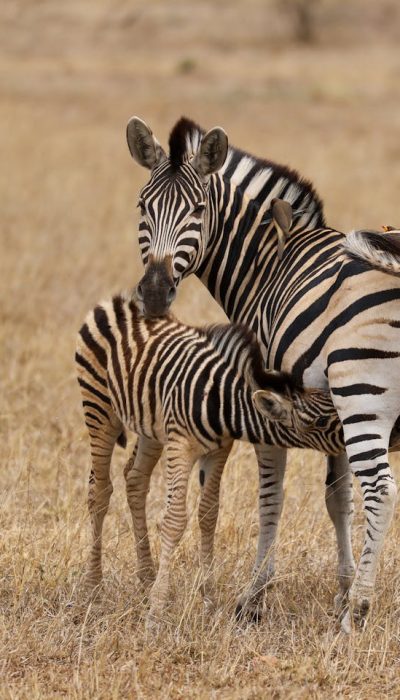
<point>324,308</point>
<point>193,390</point>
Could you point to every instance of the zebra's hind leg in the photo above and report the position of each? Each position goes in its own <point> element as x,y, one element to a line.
<point>340,506</point>
<point>271,469</point>
<point>137,472</point>
<point>210,471</point>
<point>367,444</point>
<point>102,441</point>
<point>180,459</point>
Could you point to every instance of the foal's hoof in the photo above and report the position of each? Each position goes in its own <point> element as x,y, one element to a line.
<point>209,605</point>
<point>250,612</point>
<point>92,590</point>
<point>153,625</point>
<point>146,580</point>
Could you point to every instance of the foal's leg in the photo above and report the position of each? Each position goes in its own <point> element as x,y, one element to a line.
<point>210,471</point>
<point>137,472</point>
<point>180,459</point>
<point>271,469</point>
<point>340,506</point>
<point>102,441</point>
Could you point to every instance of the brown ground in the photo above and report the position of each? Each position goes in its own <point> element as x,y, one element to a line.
<point>71,74</point>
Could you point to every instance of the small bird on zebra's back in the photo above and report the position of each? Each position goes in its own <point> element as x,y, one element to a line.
<point>192,390</point>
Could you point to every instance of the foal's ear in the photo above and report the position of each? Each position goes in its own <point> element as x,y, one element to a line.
<point>212,152</point>
<point>144,148</point>
<point>282,214</point>
<point>273,406</point>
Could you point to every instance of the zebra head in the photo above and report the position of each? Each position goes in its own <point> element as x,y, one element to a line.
<point>305,410</point>
<point>174,205</point>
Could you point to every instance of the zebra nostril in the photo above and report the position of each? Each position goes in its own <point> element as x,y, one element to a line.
<point>139,292</point>
<point>171,294</point>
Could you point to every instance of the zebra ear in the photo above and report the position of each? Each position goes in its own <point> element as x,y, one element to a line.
<point>273,406</point>
<point>282,214</point>
<point>144,148</point>
<point>212,152</point>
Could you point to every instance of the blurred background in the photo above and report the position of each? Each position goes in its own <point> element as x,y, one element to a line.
<point>311,83</point>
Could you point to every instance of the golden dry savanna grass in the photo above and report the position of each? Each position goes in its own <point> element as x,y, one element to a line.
<point>71,74</point>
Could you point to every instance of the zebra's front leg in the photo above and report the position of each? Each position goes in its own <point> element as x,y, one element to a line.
<point>180,459</point>
<point>137,472</point>
<point>340,506</point>
<point>211,468</point>
<point>271,469</point>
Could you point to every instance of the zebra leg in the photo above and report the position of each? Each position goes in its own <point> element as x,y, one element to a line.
<point>340,506</point>
<point>137,472</point>
<point>180,459</point>
<point>367,449</point>
<point>271,469</point>
<point>210,472</point>
<point>102,441</point>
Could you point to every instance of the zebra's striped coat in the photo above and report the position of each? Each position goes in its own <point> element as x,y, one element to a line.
<point>193,390</point>
<point>326,312</point>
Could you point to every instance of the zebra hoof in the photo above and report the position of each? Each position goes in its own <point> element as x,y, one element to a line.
<point>248,613</point>
<point>345,623</point>
<point>340,604</point>
<point>146,577</point>
<point>209,605</point>
<point>355,615</point>
<point>153,625</point>
<point>360,613</point>
<point>92,589</point>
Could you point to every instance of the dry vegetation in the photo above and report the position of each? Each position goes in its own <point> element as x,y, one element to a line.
<point>70,75</point>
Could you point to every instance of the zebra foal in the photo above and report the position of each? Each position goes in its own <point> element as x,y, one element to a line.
<point>192,390</point>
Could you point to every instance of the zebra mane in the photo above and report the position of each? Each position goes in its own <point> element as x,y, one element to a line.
<point>239,346</point>
<point>184,141</point>
<point>244,169</point>
<point>251,173</point>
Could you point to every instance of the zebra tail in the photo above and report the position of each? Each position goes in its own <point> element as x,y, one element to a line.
<point>380,251</point>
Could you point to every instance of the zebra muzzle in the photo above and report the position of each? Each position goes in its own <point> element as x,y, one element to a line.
<point>156,290</point>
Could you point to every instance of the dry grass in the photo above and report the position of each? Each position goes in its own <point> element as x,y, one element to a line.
<point>70,76</point>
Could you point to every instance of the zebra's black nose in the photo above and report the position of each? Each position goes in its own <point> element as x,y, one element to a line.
<point>156,290</point>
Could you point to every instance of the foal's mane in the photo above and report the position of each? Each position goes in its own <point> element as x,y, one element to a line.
<point>239,346</point>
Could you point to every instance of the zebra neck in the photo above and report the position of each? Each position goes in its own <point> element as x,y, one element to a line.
<point>253,427</point>
<point>242,242</point>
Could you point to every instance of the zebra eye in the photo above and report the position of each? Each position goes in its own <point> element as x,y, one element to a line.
<point>198,211</point>
<point>322,422</point>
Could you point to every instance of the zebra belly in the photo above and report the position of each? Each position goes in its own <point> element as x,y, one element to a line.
<point>148,430</point>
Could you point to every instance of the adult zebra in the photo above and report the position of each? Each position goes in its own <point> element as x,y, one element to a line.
<point>328,315</point>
